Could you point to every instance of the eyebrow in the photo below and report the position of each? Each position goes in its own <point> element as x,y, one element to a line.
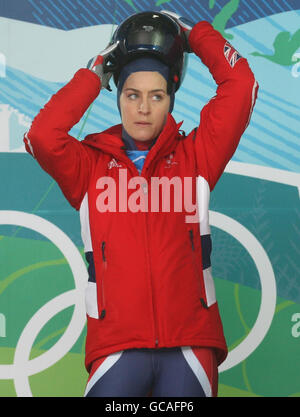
<point>152,91</point>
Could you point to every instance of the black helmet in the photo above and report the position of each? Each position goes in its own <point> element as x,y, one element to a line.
<point>150,33</point>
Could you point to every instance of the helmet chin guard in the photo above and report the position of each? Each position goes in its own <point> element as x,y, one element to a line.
<point>149,34</point>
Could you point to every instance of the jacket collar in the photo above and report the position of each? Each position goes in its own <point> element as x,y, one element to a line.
<point>110,141</point>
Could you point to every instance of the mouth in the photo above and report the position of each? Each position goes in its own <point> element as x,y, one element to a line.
<point>143,123</point>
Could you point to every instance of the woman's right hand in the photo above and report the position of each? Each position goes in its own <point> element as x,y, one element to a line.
<point>97,64</point>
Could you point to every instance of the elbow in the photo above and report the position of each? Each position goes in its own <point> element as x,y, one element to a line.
<point>247,89</point>
<point>251,84</point>
<point>33,139</point>
<point>40,141</point>
<point>33,136</point>
<point>28,144</point>
<point>249,96</point>
<point>247,79</point>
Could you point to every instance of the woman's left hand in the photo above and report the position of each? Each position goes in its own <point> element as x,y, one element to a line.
<point>185,24</point>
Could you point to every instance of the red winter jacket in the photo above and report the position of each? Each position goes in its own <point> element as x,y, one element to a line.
<point>150,282</point>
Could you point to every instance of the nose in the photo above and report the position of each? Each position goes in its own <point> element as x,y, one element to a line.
<point>144,106</point>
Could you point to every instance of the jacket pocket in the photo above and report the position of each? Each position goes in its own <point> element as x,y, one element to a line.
<point>91,302</point>
<point>197,272</point>
<point>102,282</point>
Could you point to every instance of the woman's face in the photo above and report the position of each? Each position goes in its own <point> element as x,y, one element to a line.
<point>144,105</point>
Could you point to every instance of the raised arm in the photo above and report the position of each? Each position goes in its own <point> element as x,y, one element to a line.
<point>66,159</point>
<point>226,116</point>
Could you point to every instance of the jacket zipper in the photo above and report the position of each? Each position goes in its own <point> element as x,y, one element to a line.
<point>156,338</point>
<point>103,311</point>
<point>191,233</point>
<point>152,289</point>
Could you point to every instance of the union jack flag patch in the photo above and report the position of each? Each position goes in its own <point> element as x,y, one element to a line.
<point>231,54</point>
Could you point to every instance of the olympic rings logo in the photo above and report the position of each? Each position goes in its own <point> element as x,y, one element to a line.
<point>23,367</point>
<point>268,288</point>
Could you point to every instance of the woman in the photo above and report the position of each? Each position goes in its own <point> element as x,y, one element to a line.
<point>153,324</point>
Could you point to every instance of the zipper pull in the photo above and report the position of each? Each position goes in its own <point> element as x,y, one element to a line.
<point>204,303</point>
<point>103,251</point>
<point>192,239</point>
<point>102,315</point>
<point>103,312</point>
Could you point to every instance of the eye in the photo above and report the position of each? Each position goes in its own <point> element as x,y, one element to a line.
<point>157,97</point>
<point>132,96</point>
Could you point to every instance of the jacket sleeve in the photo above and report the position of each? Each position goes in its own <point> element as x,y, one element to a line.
<point>226,116</point>
<point>66,159</point>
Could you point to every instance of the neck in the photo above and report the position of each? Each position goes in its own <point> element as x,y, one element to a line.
<point>133,144</point>
<point>143,145</point>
